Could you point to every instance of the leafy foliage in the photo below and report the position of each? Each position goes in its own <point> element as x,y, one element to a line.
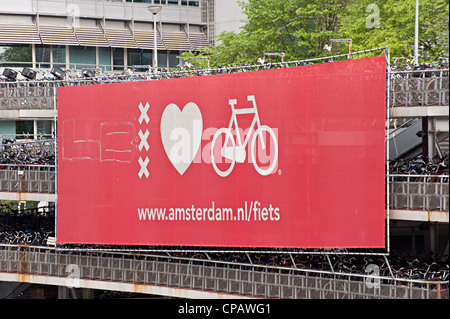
<point>301,28</point>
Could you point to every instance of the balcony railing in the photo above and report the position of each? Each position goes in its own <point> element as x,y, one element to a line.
<point>27,178</point>
<point>407,88</point>
<point>27,95</point>
<point>214,276</point>
<point>411,192</point>
<point>419,192</point>
<point>420,88</point>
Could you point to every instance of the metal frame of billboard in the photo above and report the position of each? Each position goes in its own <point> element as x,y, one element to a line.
<point>207,249</point>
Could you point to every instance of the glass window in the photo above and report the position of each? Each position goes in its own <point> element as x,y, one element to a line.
<point>24,129</point>
<point>7,130</point>
<point>16,53</point>
<point>104,58</point>
<point>44,128</point>
<point>191,3</point>
<point>162,59</point>
<point>173,59</point>
<point>82,57</point>
<point>118,59</point>
<point>147,57</point>
<point>134,57</point>
<point>59,56</point>
<point>139,57</point>
<point>43,56</point>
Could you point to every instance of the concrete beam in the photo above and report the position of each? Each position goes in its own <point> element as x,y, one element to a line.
<point>28,196</point>
<point>419,111</point>
<point>420,216</point>
<point>119,286</point>
<point>24,114</point>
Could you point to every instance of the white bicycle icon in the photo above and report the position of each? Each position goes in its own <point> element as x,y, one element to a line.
<point>237,153</point>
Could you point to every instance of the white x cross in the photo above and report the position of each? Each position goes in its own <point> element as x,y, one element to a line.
<point>143,142</point>
<point>144,115</point>
<point>143,170</point>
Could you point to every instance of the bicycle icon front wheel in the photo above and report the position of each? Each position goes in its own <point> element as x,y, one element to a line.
<point>217,152</point>
<point>263,132</point>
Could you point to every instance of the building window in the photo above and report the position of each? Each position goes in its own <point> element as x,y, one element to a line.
<point>44,128</point>
<point>43,56</point>
<point>15,53</point>
<point>147,57</point>
<point>174,61</point>
<point>118,59</point>
<point>104,58</point>
<point>140,57</point>
<point>7,130</point>
<point>24,129</point>
<point>82,57</point>
<point>162,59</point>
<point>190,3</point>
<point>59,56</point>
<point>134,57</point>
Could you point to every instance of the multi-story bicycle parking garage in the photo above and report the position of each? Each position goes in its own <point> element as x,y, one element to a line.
<point>416,211</point>
<point>415,201</point>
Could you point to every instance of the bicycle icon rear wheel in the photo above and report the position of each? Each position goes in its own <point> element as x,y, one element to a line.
<point>229,137</point>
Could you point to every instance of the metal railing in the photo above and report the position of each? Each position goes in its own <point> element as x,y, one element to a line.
<point>27,95</point>
<point>412,192</point>
<point>419,88</point>
<point>215,276</point>
<point>27,178</point>
<point>407,88</point>
<point>419,192</point>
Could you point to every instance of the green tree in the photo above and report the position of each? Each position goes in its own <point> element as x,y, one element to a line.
<point>396,20</point>
<point>301,28</point>
<point>297,28</point>
<point>16,53</point>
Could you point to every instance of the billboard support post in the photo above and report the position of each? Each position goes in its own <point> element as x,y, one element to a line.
<point>388,98</point>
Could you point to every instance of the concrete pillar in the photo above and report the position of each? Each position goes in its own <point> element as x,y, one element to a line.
<point>63,292</point>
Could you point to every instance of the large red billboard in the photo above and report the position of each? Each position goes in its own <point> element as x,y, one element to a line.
<point>292,157</point>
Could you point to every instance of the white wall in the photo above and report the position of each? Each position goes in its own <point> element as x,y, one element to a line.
<point>228,16</point>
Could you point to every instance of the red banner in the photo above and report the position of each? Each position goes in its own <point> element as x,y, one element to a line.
<point>291,157</point>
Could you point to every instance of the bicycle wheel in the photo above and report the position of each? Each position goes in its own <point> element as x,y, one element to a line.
<point>215,151</point>
<point>274,145</point>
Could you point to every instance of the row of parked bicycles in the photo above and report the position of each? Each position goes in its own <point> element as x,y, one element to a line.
<point>419,165</point>
<point>33,227</point>
<point>72,77</point>
<point>420,84</point>
<point>400,64</point>
<point>146,72</point>
<point>27,151</point>
<point>42,152</point>
<point>26,226</point>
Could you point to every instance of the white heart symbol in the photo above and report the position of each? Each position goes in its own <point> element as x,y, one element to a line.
<point>181,134</point>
